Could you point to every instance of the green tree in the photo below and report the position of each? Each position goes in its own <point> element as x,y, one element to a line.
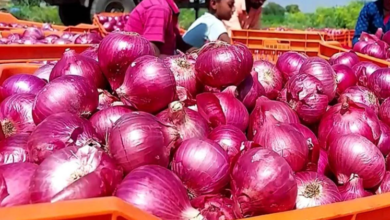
<point>292,9</point>
<point>273,9</point>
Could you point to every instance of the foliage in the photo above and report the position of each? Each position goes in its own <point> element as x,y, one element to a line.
<point>292,9</point>
<point>39,13</point>
<point>273,9</point>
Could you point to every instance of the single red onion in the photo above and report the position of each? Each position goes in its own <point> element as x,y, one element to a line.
<point>324,72</point>
<point>384,140</point>
<point>68,93</point>
<point>91,52</point>
<point>384,187</point>
<point>14,37</point>
<point>149,85</point>
<point>214,207</point>
<point>67,35</point>
<point>375,50</point>
<point>62,41</point>
<point>358,47</point>
<point>353,189</point>
<point>47,27</point>
<point>88,38</point>
<point>59,131</point>
<point>14,149</point>
<point>189,123</point>
<point>51,38</point>
<point>269,112</point>
<point>346,58</point>
<point>379,83</point>
<point>360,94</point>
<point>152,143</point>
<point>21,83</point>
<point>345,77</point>
<point>44,71</point>
<point>75,173</point>
<point>262,182</point>
<point>107,100</point>
<point>348,118</point>
<point>353,154</point>
<point>290,63</point>
<point>129,46</point>
<point>248,91</point>
<point>222,109</point>
<point>269,77</point>
<point>33,33</point>
<point>384,111</point>
<point>164,195</point>
<point>315,190</point>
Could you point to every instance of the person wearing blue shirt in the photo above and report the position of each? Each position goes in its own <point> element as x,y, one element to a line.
<point>373,16</point>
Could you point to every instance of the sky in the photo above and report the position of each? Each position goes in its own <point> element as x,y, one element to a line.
<point>311,5</point>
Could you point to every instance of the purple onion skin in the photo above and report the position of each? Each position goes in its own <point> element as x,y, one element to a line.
<point>289,64</point>
<point>360,94</point>
<point>384,187</point>
<point>384,111</point>
<point>249,90</point>
<point>384,140</point>
<point>363,70</point>
<point>379,83</point>
<point>21,83</point>
<point>14,149</point>
<point>269,77</point>
<point>44,71</point>
<point>345,58</point>
<point>345,77</point>
<point>353,189</point>
<point>214,207</point>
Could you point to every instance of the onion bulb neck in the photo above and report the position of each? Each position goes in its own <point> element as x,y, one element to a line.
<point>192,214</point>
<point>176,112</point>
<point>312,190</point>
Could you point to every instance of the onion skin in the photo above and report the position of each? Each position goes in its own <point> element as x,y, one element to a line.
<point>222,109</point>
<point>385,184</point>
<point>21,83</point>
<point>384,140</point>
<point>354,154</point>
<point>269,112</point>
<point>130,46</point>
<point>214,207</point>
<point>269,77</point>
<point>363,70</point>
<point>270,188</point>
<point>248,91</point>
<point>189,123</point>
<point>149,85</point>
<point>33,33</point>
<point>315,190</point>
<point>379,83</point>
<point>360,94</point>
<point>323,165</point>
<point>106,100</point>
<point>345,58</point>
<point>345,77</point>
<point>384,111</point>
<point>288,142</point>
<point>75,173</point>
<point>202,165</point>
<point>73,94</point>
<point>91,52</point>
<point>44,71</point>
<point>220,64</point>
<point>353,189</point>
<point>375,50</point>
<point>289,64</point>
<point>14,149</point>
<point>152,143</point>
<point>59,131</point>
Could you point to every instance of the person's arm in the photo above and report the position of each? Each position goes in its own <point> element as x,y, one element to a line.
<point>224,37</point>
<point>361,24</point>
<point>218,32</point>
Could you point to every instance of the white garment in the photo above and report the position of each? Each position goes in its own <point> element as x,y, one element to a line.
<point>205,28</point>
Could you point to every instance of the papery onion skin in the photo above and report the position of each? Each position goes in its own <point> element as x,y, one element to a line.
<point>384,111</point>
<point>129,46</point>
<point>270,185</point>
<point>248,91</point>
<point>202,165</point>
<point>361,95</point>
<point>88,38</point>
<point>288,142</point>
<point>354,154</point>
<point>269,112</point>
<point>384,140</point>
<point>289,64</point>
<point>189,123</point>
<point>345,77</point>
<point>379,83</point>
<point>346,58</point>
<point>323,164</point>
<point>91,52</point>
<point>384,187</point>
<point>220,64</point>
<point>269,77</point>
<point>107,100</point>
<point>374,50</point>
<point>44,71</point>
<point>59,131</point>
<point>68,93</point>
<point>75,173</point>
<point>214,207</point>
<point>33,33</point>
<point>353,189</point>
<point>152,143</point>
<point>222,109</point>
<point>21,83</point>
<point>105,119</point>
<point>149,85</point>
<point>14,149</point>
<point>315,189</point>
<point>363,70</point>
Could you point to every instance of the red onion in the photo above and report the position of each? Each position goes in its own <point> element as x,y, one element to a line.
<point>33,33</point>
<point>384,140</point>
<point>379,83</point>
<point>189,123</point>
<point>345,77</point>
<point>262,182</point>
<point>222,109</point>
<point>248,91</point>
<point>17,177</point>
<point>183,69</point>
<point>315,190</point>
<point>51,38</point>
<point>30,41</point>
<point>16,115</point>
<point>232,90</point>
<point>289,63</point>
<point>220,64</point>
<point>353,189</point>
<point>269,112</point>
<point>59,131</point>
<point>348,118</point>
<point>323,164</point>
<point>269,77</point>
<point>288,142</point>
<point>202,165</point>
<point>353,154</point>
<point>107,100</point>
<point>14,37</point>
<point>44,71</point>
<point>305,95</point>
<point>375,50</point>
<point>21,83</point>
<point>14,149</point>
<point>358,47</point>
<point>384,111</point>
<point>105,119</point>
<point>67,35</point>
<point>346,58</point>
<point>68,93</point>
<point>117,51</point>
<point>214,207</point>
<point>47,27</point>
<point>62,41</point>
<point>163,193</point>
<point>368,37</point>
<point>88,38</point>
<point>75,173</point>
<point>3,188</point>
<point>91,52</point>
<point>149,85</point>
<point>360,94</point>
<point>151,143</point>
<point>384,187</point>
<point>320,69</point>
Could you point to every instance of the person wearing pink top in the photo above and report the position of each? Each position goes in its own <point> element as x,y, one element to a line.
<point>157,21</point>
<point>246,15</point>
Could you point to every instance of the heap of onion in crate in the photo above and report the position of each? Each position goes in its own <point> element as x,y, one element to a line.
<point>212,135</point>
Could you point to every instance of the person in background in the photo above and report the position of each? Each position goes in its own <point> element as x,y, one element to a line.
<point>209,27</point>
<point>373,16</point>
<point>246,16</point>
<point>157,21</point>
